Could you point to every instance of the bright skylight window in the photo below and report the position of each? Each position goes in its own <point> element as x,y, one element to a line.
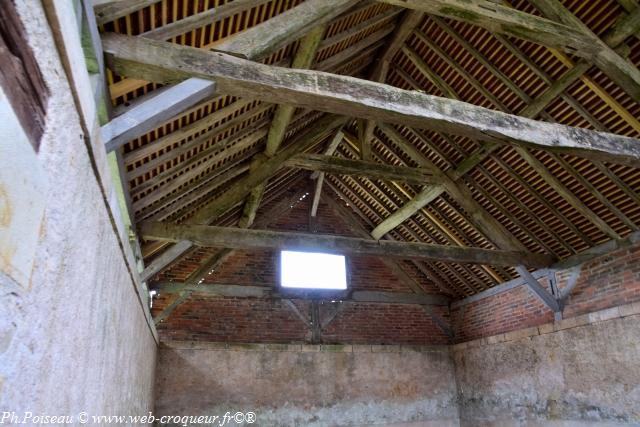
<point>312,270</point>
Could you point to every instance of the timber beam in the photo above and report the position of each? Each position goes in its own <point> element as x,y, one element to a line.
<point>243,291</point>
<point>370,169</point>
<point>169,63</point>
<point>235,238</point>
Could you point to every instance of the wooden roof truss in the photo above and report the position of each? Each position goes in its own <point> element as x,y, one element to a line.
<point>220,106</point>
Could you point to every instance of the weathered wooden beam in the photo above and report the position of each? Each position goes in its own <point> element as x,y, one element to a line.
<point>242,291</point>
<point>546,297</point>
<point>355,225</point>
<point>164,62</point>
<point>202,19</point>
<point>508,21</point>
<point>236,238</point>
<point>163,260</point>
<point>477,215</point>
<point>532,110</point>
<point>166,157</point>
<point>552,181</point>
<point>344,166</point>
<point>576,72</point>
<point>348,215</point>
<point>283,29</point>
<point>108,12</point>
<point>362,26</point>
<point>255,43</point>
<point>360,46</point>
<point>157,110</point>
<point>192,283</point>
<point>185,132</point>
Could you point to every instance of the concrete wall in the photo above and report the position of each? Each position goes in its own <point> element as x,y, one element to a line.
<point>74,332</point>
<point>308,385</point>
<point>582,371</point>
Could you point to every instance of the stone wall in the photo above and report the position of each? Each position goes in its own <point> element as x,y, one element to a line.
<point>309,385</point>
<point>75,334</point>
<point>582,371</point>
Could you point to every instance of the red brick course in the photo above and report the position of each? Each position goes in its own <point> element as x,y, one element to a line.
<point>607,281</point>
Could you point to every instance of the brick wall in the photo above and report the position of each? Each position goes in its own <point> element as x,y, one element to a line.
<point>210,318</point>
<point>604,282</point>
<point>385,324</point>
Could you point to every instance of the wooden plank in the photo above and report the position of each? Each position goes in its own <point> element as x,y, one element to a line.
<point>149,115</point>
<point>623,29</point>
<point>245,44</point>
<point>193,282</point>
<point>552,181</point>
<point>216,260</point>
<point>266,38</point>
<point>370,169</point>
<point>357,211</point>
<point>165,158</point>
<point>164,62</point>
<point>202,19</point>
<point>164,259</point>
<point>349,52</point>
<point>204,235</point>
<point>185,132</point>
<point>422,199</point>
<point>362,26</point>
<point>410,20</point>
<point>531,111</point>
<point>108,12</point>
